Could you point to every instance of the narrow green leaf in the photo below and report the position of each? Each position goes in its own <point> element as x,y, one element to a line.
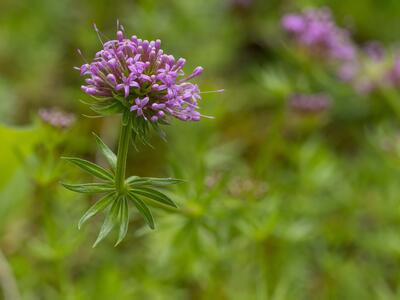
<point>90,167</point>
<point>89,188</point>
<point>161,133</point>
<point>107,108</point>
<point>154,195</point>
<point>107,152</point>
<point>131,179</point>
<point>135,180</point>
<point>121,99</point>
<point>96,208</point>
<point>92,117</point>
<point>123,219</point>
<point>109,222</point>
<point>126,118</point>
<point>140,131</point>
<point>143,209</point>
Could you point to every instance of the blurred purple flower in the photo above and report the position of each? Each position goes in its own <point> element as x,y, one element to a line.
<point>366,73</point>
<point>348,71</point>
<point>304,103</point>
<point>375,50</point>
<point>151,83</point>
<point>316,30</point>
<point>365,86</point>
<point>294,23</point>
<point>56,117</point>
<point>394,73</point>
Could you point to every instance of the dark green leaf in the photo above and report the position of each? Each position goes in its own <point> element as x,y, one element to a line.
<point>154,195</point>
<point>109,222</point>
<point>91,168</point>
<point>89,188</point>
<point>143,209</point>
<point>107,152</point>
<point>123,219</point>
<point>96,208</point>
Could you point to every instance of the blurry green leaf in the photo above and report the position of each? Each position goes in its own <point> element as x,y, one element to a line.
<point>124,220</point>
<point>89,188</point>
<point>109,222</point>
<point>17,143</point>
<point>154,195</point>
<point>11,147</point>
<point>99,206</point>
<point>14,196</point>
<point>143,209</point>
<point>107,152</point>
<point>91,168</point>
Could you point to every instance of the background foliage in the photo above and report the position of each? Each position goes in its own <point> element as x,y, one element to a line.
<point>278,205</point>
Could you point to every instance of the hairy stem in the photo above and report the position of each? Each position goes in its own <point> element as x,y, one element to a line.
<point>123,146</point>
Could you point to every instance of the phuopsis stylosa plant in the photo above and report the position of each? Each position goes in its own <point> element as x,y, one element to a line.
<point>136,79</point>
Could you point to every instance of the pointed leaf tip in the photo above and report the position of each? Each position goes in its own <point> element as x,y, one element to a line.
<point>88,188</point>
<point>153,195</point>
<point>99,206</point>
<point>123,217</point>
<point>107,152</point>
<point>143,210</point>
<point>109,222</point>
<point>90,168</point>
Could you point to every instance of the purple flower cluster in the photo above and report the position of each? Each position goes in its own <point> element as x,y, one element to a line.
<point>56,118</point>
<point>316,30</point>
<point>152,84</point>
<point>304,103</point>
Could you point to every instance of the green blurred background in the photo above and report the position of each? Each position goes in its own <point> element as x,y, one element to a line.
<point>277,205</point>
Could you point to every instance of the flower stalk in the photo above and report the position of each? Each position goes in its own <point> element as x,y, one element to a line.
<point>122,155</point>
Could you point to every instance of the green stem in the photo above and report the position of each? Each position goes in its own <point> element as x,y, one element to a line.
<point>122,155</point>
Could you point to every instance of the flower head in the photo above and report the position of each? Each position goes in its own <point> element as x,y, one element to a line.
<point>138,75</point>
